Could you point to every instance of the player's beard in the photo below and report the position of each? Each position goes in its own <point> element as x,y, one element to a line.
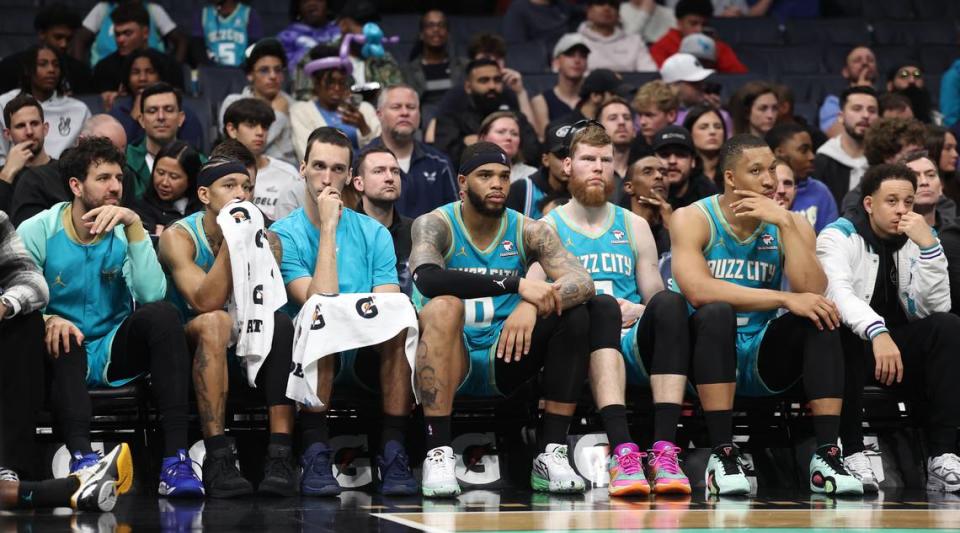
<point>590,196</point>
<point>477,202</point>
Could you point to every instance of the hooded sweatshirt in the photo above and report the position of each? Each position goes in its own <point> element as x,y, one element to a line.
<point>618,52</point>
<point>837,170</point>
<point>885,300</point>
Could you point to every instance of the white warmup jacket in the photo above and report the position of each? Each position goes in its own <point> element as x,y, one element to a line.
<point>851,265</point>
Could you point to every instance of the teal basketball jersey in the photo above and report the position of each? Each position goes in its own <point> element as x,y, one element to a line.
<point>609,256</point>
<point>505,256</point>
<point>203,257</point>
<point>755,262</point>
<point>226,38</point>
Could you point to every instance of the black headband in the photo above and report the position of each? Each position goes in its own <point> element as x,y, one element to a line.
<point>482,158</point>
<point>210,174</point>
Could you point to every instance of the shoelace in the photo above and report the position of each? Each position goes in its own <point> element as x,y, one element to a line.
<point>950,462</point>
<point>858,463</point>
<point>401,463</point>
<point>183,468</point>
<point>559,456</point>
<point>730,463</point>
<point>835,462</point>
<point>439,459</point>
<point>666,459</point>
<point>632,462</point>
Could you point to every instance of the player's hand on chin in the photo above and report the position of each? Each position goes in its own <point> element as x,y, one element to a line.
<point>755,205</point>
<point>104,218</point>
<point>517,333</point>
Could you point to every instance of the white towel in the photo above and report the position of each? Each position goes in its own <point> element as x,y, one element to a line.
<point>332,324</point>
<point>258,289</point>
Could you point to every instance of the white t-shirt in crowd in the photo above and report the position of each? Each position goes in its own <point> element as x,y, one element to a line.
<point>279,189</point>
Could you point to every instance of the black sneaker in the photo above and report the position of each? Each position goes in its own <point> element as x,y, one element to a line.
<point>221,477</point>
<point>281,475</point>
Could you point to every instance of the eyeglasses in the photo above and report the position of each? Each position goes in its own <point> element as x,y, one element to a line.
<point>906,73</point>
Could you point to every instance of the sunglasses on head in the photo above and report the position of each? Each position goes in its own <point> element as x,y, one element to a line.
<point>577,127</point>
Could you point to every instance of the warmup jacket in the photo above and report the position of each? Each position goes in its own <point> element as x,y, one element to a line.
<point>851,266</point>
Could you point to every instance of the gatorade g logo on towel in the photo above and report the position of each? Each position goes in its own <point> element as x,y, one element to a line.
<point>366,308</point>
<point>258,239</point>
<point>240,214</point>
<point>318,321</point>
<point>258,295</point>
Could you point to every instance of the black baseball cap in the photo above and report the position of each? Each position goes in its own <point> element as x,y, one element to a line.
<point>600,81</point>
<point>555,141</point>
<point>672,135</point>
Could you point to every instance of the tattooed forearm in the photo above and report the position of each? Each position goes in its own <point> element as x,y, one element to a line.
<point>431,238</point>
<point>276,247</point>
<point>543,245</point>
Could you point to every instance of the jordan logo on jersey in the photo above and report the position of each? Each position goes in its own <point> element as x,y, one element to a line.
<point>508,249</point>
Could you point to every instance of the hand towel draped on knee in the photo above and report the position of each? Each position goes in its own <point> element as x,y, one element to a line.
<point>258,289</point>
<point>330,324</point>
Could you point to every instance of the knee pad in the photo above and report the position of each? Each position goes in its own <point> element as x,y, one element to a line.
<point>605,321</point>
<point>720,313</point>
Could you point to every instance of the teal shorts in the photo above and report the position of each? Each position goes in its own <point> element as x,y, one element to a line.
<point>99,353</point>
<point>480,381</point>
<point>637,374</point>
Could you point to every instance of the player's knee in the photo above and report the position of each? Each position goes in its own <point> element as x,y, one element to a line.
<point>669,304</point>
<point>213,328</point>
<point>603,307</point>
<point>577,321</point>
<point>442,311</point>
<point>720,314</point>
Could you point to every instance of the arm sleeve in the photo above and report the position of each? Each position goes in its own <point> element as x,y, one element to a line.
<point>828,112</point>
<point>931,287</point>
<point>432,280</point>
<point>855,313</point>
<point>20,278</point>
<point>161,19</point>
<point>141,269</point>
<point>94,18</point>
<point>384,259</point>
<point>950,95</point>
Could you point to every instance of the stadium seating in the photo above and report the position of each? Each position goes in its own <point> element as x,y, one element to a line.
<point>848,32</point>
<point>735,31</point>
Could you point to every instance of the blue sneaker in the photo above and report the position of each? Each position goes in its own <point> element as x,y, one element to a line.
<point>80,461</point>
<point>177,478</point>
<point>396,478</point>
<point>317,478</point>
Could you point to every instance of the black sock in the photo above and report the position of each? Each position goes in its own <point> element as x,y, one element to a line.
<point>437,431</point>
<point>614,419</point>
<point>49,493</point>
<point>719,427</point>
<point>281,439</point>
<point>553,430</point>
<point>826,428</point>
<point>941,440</point>
<point>78,443</point>
<point>314,427</point>
<point>665,419</point>
<point>216,442</point>
<point>394,429</point>
<point>174,434</point>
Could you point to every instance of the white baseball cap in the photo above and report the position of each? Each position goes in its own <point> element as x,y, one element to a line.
<point>568,42</point>
<point>683,67</point>
<point>703,47</point>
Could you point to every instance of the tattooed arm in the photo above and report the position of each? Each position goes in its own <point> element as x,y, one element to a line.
<point>431,236</point>
<point>544,246</point>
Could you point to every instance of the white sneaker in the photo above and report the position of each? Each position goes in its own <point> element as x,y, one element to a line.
<point>943,473</point>
<point>439,474</point>
<point>858,465</point>
<point>552,471</point>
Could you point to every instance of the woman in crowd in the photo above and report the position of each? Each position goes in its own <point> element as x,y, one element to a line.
<point>173,193</point>
<point>941,146</point>
<point>754,108</point>
<point>503,129</point>
<point>708,130</point>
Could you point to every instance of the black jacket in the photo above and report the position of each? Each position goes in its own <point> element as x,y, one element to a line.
<point>453,127</point>
<point>834,174</point>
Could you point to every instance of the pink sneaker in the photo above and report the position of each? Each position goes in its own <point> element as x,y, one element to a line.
<point>626,471</point>
<point>665,469</point>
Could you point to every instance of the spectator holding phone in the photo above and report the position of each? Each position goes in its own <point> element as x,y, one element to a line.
<point>333,104</point>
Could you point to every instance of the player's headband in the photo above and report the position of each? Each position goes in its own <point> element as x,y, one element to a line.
<point>210,174</point>
<point>494,155</point>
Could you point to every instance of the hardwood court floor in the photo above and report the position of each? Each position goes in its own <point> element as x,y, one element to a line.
<point>510,510</point>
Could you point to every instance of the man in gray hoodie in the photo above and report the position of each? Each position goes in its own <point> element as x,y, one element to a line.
<point>840,162</point>
<point>609,46</point>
